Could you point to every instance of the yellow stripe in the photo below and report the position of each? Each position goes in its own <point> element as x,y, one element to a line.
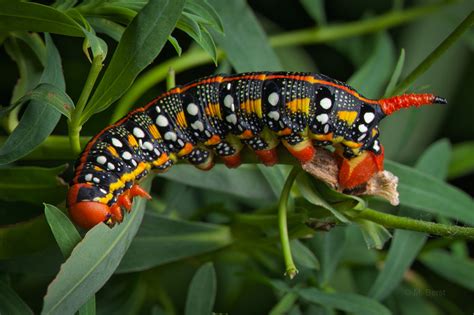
<point>299,104</point>
<point>181,120</point>
<point>348,116</point>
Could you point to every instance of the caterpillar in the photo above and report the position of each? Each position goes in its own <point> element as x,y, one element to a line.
<point>216,116</point>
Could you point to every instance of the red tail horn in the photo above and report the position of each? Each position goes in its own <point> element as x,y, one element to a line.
<point>392,104</point>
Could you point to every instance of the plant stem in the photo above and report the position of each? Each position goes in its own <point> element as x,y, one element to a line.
<point>311,35</point>
<point>74,123</point>
<point>404,223</point>
<point>171,79</point>
<point>438,52</point>
<point>290,267</point>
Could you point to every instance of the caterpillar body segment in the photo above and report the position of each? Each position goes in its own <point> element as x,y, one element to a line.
<point>216,117</point>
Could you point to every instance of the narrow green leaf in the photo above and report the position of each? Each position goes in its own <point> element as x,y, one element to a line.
<point>24,238</point>
<point>432,195</point>
<point>175,44</point>
<point>284,304</point>
<point>206,11</point>
<point>38,120</point>
<point>162,240</point>
<point>202,291</point>
<point>252,54</point>
<point>10,302</point>
<point>46,94</point>
<point>190,26</point>
<point>63,229</point>
<point>92,262</point>
<point>140,44</point>
<point>275,176</point>
<point>315,8</point>
<point>456,269</point>
<point>396,74</point>
<point>462,162</point>
<point>105,26</point>
<point>246,183</point>
<point>303,255</point>
<point>32,184</point>
<point>35,17</point>
<point>348,302</point>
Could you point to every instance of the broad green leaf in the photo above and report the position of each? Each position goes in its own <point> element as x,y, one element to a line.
<point>92,262</point>
<point>125,298</point>
<point>247,182</point>
<point>463,160</point>
<point>252,54</point>
<point>275,176</point>
<point>24,238</point>
<point>375,235</point>
<point>47,94</point>
<point>406,244</point>
<point>32,184</point>
<point>424,192</point>
<point>63,229</point>
<point>10,302</point>
<point>456,269</point>
<point>162,240</point>
<point>303,255</point>
<point>38,120</point>
<point>396,74</point>
<point>202,291</point>
<point>141,42</point>
<point>348,302</point>
<point>35,17</point>
<point>315,8</point>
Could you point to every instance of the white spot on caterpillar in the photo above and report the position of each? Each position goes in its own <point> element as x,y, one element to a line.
<point>158,109</point>
<point>88,177</point>
<point>326,128</point>
<point>361,137</point>
<point>229,101</point>
<point>116,142</point>
<point>322,118</point>
<point>170,135</point>
<point>207,133</point>
<point>274,115</point>
<point>229,86</point>
<point>363,128</point>
<point>103,190</point>
<point>231,118</point>
<point>192,109</point>
<point>197,125</point>
<point>127,155</point>
<point>376,146</point>
<point>96,180</point>
<point>134,163</point>
<point>181,143</point>
<point>368,117</point>
<point>161,121</point>
<point>137,132</point>
<point>110,166</point>
<point>147,145</point>
<point>101,159</point>
<point>325,103</point>
<point>157,152</point>
<point>273,98</point>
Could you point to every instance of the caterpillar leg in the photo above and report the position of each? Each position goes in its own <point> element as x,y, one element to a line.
<point>300,147</point>
<point>229,152</point>
<point>265,150</point>
<point>359,169</point>
<point>201,158</point>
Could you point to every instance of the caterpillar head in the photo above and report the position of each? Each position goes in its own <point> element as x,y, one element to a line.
<point>86,213</point>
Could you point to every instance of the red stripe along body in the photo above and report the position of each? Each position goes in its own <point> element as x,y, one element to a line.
<point>219,114</point>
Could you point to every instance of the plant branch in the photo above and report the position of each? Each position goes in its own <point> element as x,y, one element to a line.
<point>290,267</point>
<point>405,223</point>
<point>438,52</point>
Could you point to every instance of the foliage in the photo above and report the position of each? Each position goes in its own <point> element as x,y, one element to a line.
<point>211,242</point>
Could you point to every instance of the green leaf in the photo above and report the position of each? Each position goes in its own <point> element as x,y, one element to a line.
<point>203,9</point>
<point>162,240</point>
<point>32,184</point>
<point>456,269</point>
<point>284,304</point>
<point>175,44</point>
<point>24,238</point>
<point>424,192</point>
<point>246,183</point>
<point>406,244</point>
<point>348,302</point>
<point>462,162</point>
<point>315,8</point>
<point>252,54</point>
<point>110,28</point>
<point>303,255</point>
<point>190,26</point>
<point>202,291</point>
<point>140,44</point>
<point>47,94</point>
<point>28,16</point>
<point>63,229</point>
<point>38,120</point>
<point>375,235</point>
<point>396,74</point>
<point>10,302</point>
<point>92,262</point>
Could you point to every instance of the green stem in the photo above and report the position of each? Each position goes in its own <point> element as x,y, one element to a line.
<point>312,35</point>
<point>75,122</point>
<point>438,52</point>
<point>404,223</point>
<point>171,79</point>
<point>290,267</point>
